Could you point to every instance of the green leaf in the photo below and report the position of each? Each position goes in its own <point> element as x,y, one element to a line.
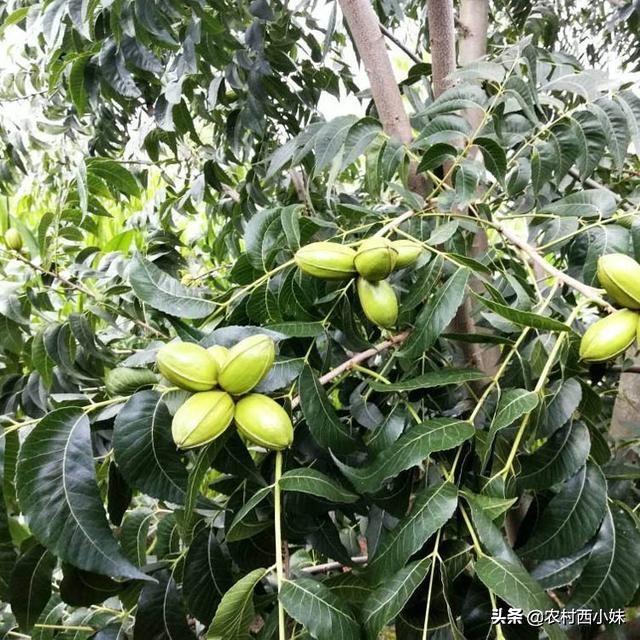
<point>430,511</point>
<point>7,551</point>
<point>551,574</point>
<point>241,527</point>
<point>83,588</point>
<point>323,422</point>
<point>523,318</point>
<point>360,136</point>
<point>263,238</point>
<point>299,329</point>
<point>440,378</point>
<point>41,360</point>
<point>207,575</point>
<point>511,583</point>
<point>461,96</point>
<point>134,534</point>
<point>443,128</point>
<point>144,450</point>
<point>30,585</point>
<point>283,372</point>
<point>436,155</point>
<point>115,175</point>
<point>571,518</point>
<point>162,292</point>
<point>330,139</point>
<point>612,574</point>
<point>319,610</point>
<point>59,495</point>
<point>558,459</point>
<point>414,446</point>
<point>587,203</point>
<point>197,474</point>
<point>236,611</point>
<point>436,314</point>
<point>494,157</point>
<point>388,600</point>
<point>161,612</point>
<point>490,536</point>
<point>563,402</point>
<point>77,88</point>
<point>614,125</point>
<point>513,404</point>
<point>490,506</point>
<point>315,483</point>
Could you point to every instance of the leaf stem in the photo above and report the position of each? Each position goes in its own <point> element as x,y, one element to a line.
<point>278,532</point>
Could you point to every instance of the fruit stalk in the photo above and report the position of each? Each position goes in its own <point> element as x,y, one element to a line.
<point>278,535</point>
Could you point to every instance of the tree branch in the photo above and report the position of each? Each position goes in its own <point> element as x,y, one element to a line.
<point>400,44</point>
<point>357,358</point>
<point>332,566</point>
<point>590,292</point>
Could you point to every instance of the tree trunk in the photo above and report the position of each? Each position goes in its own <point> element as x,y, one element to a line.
<point>442,43</point>
<point>365,30</point>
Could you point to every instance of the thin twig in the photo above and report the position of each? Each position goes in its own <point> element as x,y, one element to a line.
<point>400,44</point>
<point>82,289</point>
<point>393,341</point>
<point>332,566</point>
<point>590,292</point>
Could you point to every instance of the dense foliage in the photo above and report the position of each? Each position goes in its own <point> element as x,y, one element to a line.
<point>178,160</point>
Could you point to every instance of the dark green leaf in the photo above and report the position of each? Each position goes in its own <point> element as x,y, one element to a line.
<point>30,585</point>
<point>436,314</point>
<point>511,583</point>
<point>162,292</point>
<point>386,602</point>
<point>316,607</point>
<point>161,612</point>
<point>412,448</point>
<point>440,378</point>
<point>558,459</point>
<point>431,510</point>
<point>320,415</point>
<point>144,450</point>
<point>236,611</point>
<point>571,518</point>
<point>612,573</point>
<point>58,492</point>
<point>315,483</point>
<point>207,575</point>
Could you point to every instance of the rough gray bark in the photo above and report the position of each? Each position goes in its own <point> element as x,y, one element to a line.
<point>442,43</point>
<point>365,30</point>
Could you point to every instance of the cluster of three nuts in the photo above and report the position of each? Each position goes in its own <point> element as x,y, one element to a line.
<point>236,371</point>
<point>375,259</point>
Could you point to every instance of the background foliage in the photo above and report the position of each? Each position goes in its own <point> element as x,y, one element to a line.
<point>172,158</point>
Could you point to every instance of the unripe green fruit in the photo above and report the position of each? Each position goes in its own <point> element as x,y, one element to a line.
<point>220,355</point>
<point>620,276</point>
<point>609,337</point>
<point>378,301</point>
<point>123,381</point>
<point>188,366</point>
<point>326,260</point>
<point>376,258</point>
<point>202,418</point>
<point>263,421</point>
<point>408,252</point>
<point>248,362</point>
<point>13,239</point>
